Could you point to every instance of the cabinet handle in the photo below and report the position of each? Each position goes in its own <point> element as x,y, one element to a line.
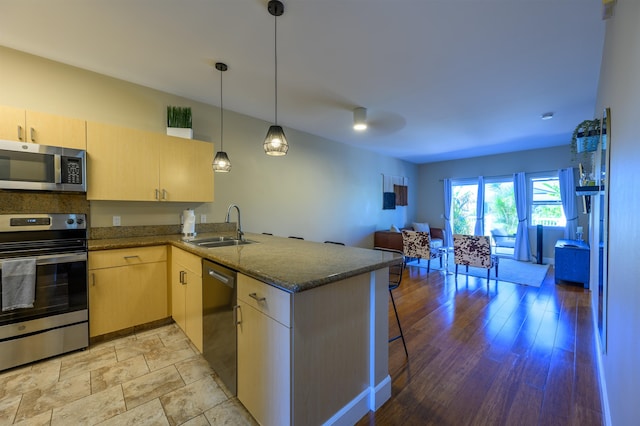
<point>164,194</point>
<point>183,277</point>
<point>19,132</point>
<point>32,134</point>
<point>256,297</point>
<point>157,194</point>
<point>131,257</point>
<point>93,279</point>
<point>237,315</point>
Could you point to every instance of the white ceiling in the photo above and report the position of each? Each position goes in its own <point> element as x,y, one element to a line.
<point>441,79</point>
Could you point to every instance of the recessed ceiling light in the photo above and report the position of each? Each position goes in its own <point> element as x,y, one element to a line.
<point>547,116</point>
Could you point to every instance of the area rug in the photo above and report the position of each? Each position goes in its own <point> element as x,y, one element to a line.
<point>509,270</point>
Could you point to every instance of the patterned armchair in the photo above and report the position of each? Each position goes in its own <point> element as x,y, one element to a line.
<point>417,245</point>
<point>474,250</point>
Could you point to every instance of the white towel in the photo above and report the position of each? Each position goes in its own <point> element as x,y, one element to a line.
<point>18,283</point>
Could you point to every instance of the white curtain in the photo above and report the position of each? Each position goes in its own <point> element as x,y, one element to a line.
<point>448,198</point>
<point>479,230</point>
<point>522,251</point>
<point>568,197</point>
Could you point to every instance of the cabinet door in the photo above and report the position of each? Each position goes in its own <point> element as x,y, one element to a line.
<point>48,129</point>
<point>185,169</point>
<point>186,295</point>
<point>12,124</point>
<point>122,164</point>
<point>109,307</point>
<point>264,362</point>
<point>178,295</point>
<point>186,302</point>
<point>16,124</point>
<point>127,296</point>
<point>193,308</point>
<point>149,298</point>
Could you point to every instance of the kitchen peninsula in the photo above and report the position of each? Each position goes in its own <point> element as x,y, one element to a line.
<point>315,351</point>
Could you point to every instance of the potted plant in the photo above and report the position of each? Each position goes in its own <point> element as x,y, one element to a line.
<point>585,136</point>
<point>179,122</point>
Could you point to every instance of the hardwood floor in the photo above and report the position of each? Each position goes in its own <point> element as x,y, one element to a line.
<point>509,355</point>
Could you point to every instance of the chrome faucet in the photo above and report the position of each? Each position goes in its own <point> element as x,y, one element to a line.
<point>240,233</point>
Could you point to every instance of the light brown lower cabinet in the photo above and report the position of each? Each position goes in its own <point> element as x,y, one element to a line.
<point>127,287</point>
<point>264,351</point>
<point>186,294</point>
<point>316,356</point>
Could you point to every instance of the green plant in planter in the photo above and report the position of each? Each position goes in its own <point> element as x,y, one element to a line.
<point>179,117</point>
<point>585,136</point>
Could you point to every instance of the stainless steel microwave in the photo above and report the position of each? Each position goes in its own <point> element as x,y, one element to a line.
<point>25,165</point>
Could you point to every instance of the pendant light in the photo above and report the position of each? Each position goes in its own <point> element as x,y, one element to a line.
<point>221,163</point>
<point>276,142</point>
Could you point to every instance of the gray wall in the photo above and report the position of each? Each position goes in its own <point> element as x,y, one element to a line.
<point>430,176</point>
<point>620,90</point>
<point>321,190</point>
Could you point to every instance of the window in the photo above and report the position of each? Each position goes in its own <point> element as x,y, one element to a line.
<point>546,205</point>
<point>464,207</point>
<point>499,206</point>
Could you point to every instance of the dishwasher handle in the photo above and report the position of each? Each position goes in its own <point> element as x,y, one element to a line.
<point>218,276</point>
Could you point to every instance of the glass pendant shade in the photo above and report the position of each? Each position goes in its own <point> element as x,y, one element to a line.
<point>221,162</point>
<point>276,142</point>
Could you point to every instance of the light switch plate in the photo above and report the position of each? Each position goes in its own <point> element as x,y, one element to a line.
<point>116,221</point>
<point>203,218</point>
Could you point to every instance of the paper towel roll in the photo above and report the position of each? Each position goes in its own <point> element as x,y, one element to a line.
<point>188,222</point>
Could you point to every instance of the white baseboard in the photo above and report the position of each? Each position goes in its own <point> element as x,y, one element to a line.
<point>380,394</point>
<point>369,399</point>
<point>604,400</point>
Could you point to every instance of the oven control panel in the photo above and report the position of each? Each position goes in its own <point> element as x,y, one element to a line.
<point>42,222</point>
<point>29,221</point>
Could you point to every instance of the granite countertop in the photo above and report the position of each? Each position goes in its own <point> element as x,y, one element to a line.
<point>289,264</point>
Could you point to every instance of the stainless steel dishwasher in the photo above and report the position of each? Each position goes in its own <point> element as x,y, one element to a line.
<point>218,321</point>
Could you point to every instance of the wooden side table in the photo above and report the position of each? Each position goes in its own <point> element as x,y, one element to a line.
<point>572,261</point>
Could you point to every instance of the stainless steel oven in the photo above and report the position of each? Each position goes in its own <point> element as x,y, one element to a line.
<point>57,320</point>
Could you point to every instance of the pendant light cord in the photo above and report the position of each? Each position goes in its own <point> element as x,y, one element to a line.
<point>221,115</point>
<point>275,57</point>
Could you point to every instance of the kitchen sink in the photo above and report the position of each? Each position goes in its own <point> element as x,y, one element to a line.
<point>219,242</point>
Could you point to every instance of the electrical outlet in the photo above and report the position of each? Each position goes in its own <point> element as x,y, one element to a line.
<point>116,221</point>
<point>203,218</point>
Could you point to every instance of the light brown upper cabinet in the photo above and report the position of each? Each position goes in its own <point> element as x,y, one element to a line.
<point>45,129</point>
<point>134,165</point>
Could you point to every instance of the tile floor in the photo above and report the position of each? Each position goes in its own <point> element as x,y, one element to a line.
<point>155,377</point>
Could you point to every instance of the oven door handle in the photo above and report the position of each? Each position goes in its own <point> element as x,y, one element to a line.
<point>51,259</point>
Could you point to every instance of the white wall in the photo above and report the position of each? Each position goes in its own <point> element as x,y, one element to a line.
<point>321,190</point>
<point>431,197</point>
<point>620,90</point>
